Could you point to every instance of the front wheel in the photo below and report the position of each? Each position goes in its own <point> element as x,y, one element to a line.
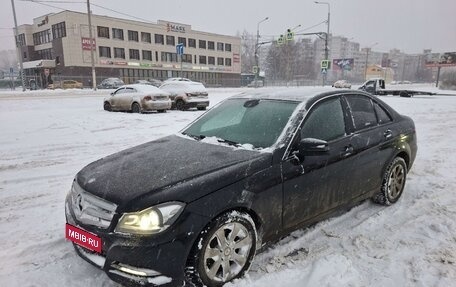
<point>393,182</point>
<point>224,250</point>
<point>107,107</point>
<point>180,105</point>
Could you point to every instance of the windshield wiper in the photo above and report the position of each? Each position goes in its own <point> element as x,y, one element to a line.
<point>220,140</point>
<point>196,137</point>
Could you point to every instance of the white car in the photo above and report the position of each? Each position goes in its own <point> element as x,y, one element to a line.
<point>178,79</point>
<point>138,98</point>
<point>342,84</point>
<point>187,94</point>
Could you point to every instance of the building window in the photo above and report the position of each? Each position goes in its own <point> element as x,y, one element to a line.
<point>159,39</point>
<point>134,54</point>
<point>105,51</point>
<point>227,47</point>
<point>21,40</point>
<point>42,37</point>
<point>187,58</point>
<point>202,59</point>
<point>219,46</point>
<point>202,44</point>
<point>170,40</point>
<point>103,32</point>
<point>191,43</point>
<point>45,54</point>
<point>119,53</point>
<point>25,55</point>
<point>210,45</point>
<point>147,55</point>
<point>182,40</point>
<point>228,62</point>
<point>145,37</point>
<point>168,57</point>
<point>117,34</point>
<point>211,60</point>
<point>220,61</point>
<point>133,36</point>
<point>59,30</point>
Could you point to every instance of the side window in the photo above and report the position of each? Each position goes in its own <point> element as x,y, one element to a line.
<point>362,112</point>
<point>325,121</point>
<point>130,90</point>
<point>382,114</point>
<point>120,91</point>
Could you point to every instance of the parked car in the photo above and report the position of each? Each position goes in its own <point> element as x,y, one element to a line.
<point>195,206</point>
<point>187,94</point>
<point>256,83</point>
<point>66,84</point>
<point>137,98</point>
<point>342,84</point>
<point>153,82</point>
<point>178,79</point>
<point>111,83</point>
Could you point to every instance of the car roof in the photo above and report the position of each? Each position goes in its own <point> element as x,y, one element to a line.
<point>144,88</point>
<point>307,95</point>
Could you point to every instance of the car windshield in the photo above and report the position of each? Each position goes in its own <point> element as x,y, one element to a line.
<point>147,89</point>
<point>244,121</point>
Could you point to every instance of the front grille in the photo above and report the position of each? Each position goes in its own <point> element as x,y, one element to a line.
<point>90,209</point>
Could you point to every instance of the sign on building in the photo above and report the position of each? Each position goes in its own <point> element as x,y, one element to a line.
<point>86,44</point>
<point>325,64</point>
<point>180,49</point>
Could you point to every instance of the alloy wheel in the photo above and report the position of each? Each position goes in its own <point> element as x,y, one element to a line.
<point>396,181</point>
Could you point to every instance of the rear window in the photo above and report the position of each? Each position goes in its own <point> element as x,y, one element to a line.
<point>362,111</point>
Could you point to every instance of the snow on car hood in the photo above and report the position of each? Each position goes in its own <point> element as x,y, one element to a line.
<point>161,164</point>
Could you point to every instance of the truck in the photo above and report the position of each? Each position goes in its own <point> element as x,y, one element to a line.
<point>377,87</point>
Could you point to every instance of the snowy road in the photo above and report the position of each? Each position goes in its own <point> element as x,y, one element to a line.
<point>47,138</point>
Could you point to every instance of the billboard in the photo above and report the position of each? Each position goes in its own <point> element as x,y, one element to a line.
<point>86,44</point>
<point>441,59</point>
<point>343,64</point>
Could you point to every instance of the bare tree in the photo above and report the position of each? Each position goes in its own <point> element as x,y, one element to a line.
<point>248,42</point>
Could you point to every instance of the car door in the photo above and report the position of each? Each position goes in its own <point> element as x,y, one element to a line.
<point>126,98</point>
<point>316,183</point>
<point>116,98</point>
<point>370,141</point>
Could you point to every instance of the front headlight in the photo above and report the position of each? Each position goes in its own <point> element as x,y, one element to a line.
<point>150,220</point>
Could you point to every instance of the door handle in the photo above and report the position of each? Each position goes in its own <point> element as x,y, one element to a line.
<point>348,150</point>
<point>388,134</point>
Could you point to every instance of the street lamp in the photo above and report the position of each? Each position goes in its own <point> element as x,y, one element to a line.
<point>367,59</point>
<point>327,35</point>
<point>256,51</point>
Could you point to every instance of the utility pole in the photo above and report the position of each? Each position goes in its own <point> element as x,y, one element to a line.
<point>326,38</point>
<point>18,48</point>
<point>256,51</point>
<point>94,78</point>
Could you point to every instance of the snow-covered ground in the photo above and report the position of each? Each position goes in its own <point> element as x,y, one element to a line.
<point>46,137</point>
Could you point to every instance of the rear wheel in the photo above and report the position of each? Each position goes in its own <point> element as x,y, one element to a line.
<point>135,108</point>
<point>107,107</point>
<point>224,250</point>
<point>201,108</point>
<point>180,105</point>
<point>393,182</point>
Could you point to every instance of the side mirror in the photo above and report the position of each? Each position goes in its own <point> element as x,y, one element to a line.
<point>312,146</point>
<point>112,93</point>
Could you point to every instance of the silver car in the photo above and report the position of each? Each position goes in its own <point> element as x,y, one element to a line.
<point>187,94</point>
<point>138,98</point>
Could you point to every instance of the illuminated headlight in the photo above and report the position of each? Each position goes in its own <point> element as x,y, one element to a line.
<point>150,220</point>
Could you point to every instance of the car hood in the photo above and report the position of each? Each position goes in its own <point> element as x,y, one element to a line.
<point>154,168</point>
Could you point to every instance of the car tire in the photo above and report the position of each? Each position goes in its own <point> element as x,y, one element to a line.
<point>135,108</point>
<point>107,107</point>
<point>180,105</point>
<point>201,108</point>
<point>161,111</point>
<point>393,182</point>
<point>215,261</point>
<point>404,94</point>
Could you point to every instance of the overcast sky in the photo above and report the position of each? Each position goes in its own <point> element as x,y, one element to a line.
<point>409,25</point>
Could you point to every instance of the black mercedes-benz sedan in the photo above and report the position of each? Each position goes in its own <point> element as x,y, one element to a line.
<point>194,207</point>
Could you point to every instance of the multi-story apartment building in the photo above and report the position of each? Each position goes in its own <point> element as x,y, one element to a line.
<point>60,44</point>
